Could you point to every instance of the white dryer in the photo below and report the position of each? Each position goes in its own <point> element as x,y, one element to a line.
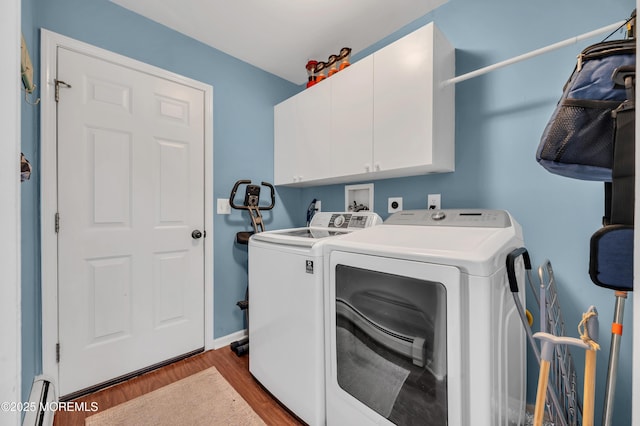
<point>286,324</point>
<point>420,324</point>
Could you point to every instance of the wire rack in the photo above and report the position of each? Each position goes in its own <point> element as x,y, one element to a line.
<point>562,374</point>
<point>562,400</point>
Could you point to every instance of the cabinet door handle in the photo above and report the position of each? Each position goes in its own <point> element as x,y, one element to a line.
<point>376,167</point>
<point>367,168</point>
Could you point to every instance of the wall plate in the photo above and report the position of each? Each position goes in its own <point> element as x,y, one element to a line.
<point>223,206</point>
<point>395,204</point>
<point>358,197</point>
<point>433,201</point>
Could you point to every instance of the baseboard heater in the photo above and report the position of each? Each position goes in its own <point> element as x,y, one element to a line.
<point>409,346</point>
<point>41,403</point>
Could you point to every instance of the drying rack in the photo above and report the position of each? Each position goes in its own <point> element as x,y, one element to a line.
<point>563,402</point>
<point>562,374</point>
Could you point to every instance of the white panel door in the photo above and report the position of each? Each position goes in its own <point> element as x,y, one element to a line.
<point>130,194</point>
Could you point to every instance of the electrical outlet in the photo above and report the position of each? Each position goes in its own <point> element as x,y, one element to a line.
<point>223,206</point>
<point>433,201</point>
<point>318,206</point>
<point>395,204</point>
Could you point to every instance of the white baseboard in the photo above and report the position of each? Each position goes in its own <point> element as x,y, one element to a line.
<point>226,340</point>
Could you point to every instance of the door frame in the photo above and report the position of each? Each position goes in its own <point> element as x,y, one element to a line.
<point>50,42</point>
<point>10,106</point>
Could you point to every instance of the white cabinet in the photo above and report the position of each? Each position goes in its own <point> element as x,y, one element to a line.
<point>413,120</point>
<point>326,131</point>
<point>285,146</point>
<point>302,129</point>
<point>387,115</point>
<point>352,119</point>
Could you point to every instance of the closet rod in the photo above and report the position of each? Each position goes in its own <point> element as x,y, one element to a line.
<point>533,53</point>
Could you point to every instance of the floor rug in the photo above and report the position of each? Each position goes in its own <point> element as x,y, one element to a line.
<point>204,398</point>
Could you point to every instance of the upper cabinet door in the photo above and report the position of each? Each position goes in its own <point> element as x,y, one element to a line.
<point>302,137</point>
<point>285,142</point>
<point>352,119</point>
<point>403,90</point>
<point>314,132</point>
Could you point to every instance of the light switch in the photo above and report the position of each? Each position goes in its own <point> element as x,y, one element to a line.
<point>223,206</point>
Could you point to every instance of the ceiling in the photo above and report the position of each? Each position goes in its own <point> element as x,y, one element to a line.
<point>280,36</point>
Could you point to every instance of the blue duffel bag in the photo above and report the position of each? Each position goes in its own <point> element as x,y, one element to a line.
<point>579,138</point>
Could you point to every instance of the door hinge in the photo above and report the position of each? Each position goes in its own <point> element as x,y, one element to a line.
<point>57,225</point>
<point>57,352</point>
<point>58,84</point>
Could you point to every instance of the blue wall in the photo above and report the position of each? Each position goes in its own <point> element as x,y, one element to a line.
<point>499,120</point>
<point>243,141</point>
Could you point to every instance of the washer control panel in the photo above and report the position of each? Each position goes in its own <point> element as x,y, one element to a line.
<point>477,218</point>
<point>345,220</point>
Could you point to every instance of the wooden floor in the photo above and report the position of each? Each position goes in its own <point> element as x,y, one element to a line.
<point>233,368</point>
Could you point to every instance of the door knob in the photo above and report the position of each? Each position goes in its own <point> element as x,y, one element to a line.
<point>196,234</point>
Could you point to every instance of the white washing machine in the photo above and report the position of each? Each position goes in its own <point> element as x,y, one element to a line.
<point>286,324</point>
<point>420,324</point>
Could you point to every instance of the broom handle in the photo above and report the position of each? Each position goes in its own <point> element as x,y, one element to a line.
<point>614,354</point>
<point>547,355</point>
<point>589,392</point>
<point>543,380</point>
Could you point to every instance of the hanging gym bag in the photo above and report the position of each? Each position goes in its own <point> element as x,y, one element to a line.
<point>578,140</point>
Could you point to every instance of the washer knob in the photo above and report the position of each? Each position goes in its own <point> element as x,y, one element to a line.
<point>439,215</point>
<point>338,221</point>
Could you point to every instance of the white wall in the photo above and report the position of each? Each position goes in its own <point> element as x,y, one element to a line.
<point>10,209</point>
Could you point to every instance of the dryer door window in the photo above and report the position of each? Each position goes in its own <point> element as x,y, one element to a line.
<point>391,343</point>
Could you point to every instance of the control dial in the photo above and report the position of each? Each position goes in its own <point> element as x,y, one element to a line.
<point>338,221</point>
<point>439,215</point>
